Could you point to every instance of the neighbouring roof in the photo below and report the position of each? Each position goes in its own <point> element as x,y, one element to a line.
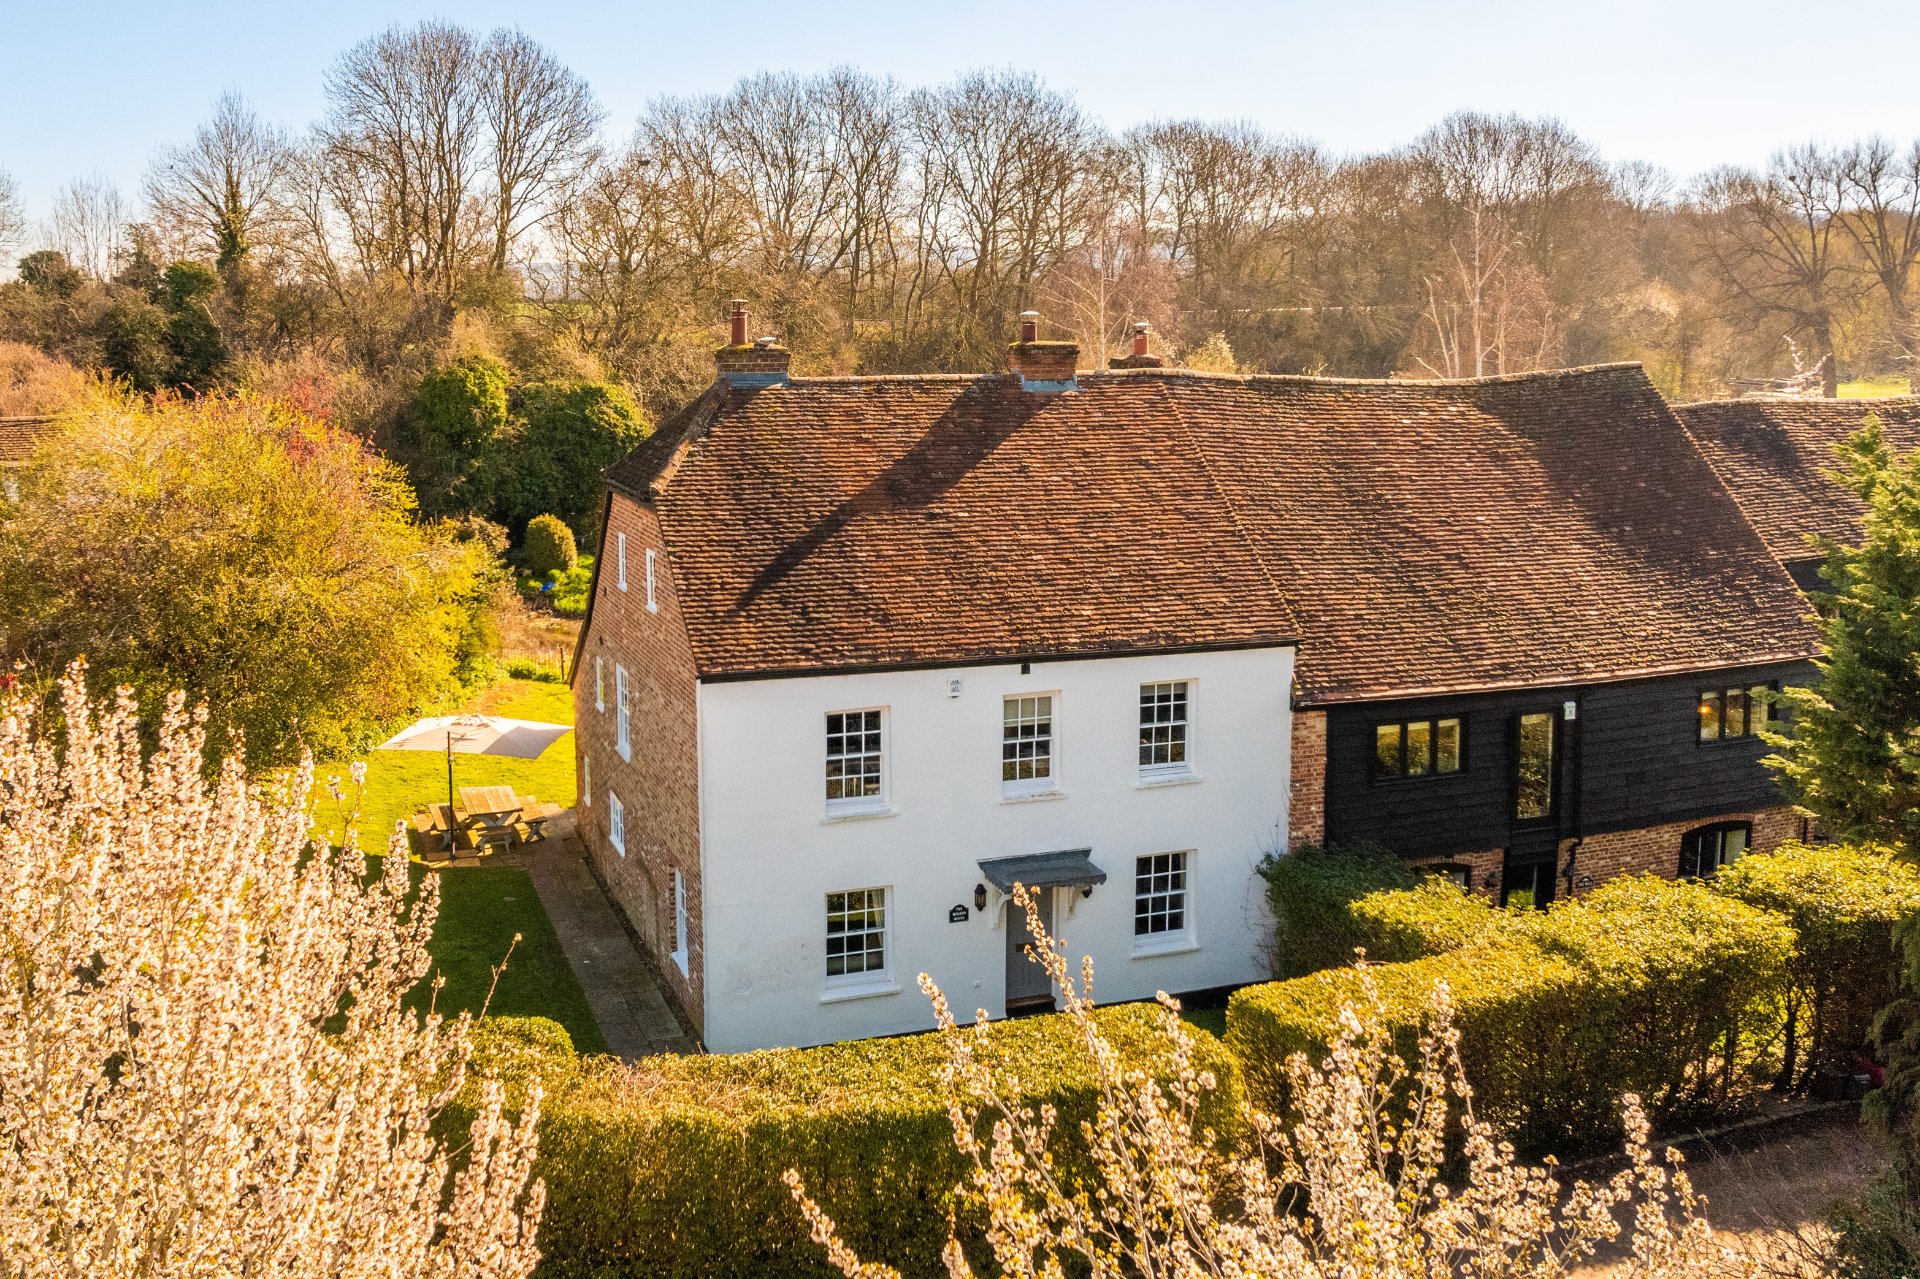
<point>1416,537</point>
<point>1772,453</point>
<point>18,435</point>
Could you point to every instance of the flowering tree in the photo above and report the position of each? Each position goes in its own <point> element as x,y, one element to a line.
<point>206,1067</point>
<point>1353,1185</point>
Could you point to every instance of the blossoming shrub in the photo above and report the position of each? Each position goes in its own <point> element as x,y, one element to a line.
<point>208,1062</point>
<point>1647,986</point>
<point>1845,903</point>
<point>672,1166</point>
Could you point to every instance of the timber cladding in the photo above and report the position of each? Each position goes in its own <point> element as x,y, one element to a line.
<point>659,786</point>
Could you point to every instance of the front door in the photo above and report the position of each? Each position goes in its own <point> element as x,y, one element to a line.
<point>1028,987</point>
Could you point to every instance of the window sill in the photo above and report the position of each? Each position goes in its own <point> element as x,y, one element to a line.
<point>679,958</point>
<point>1032,796</point>
<point>861,990</point>
<point>1169,946</point>
<point>836,816</point>
<point>626,756</point>
<point>1153,781</point>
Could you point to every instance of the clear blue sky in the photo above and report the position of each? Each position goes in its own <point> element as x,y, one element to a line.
<point>98,84</point>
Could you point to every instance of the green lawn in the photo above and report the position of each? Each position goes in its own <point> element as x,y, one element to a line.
<point>402,782</point>
<point>1213,1020</point>
<point>1873,387</point>
<point>481,907</point>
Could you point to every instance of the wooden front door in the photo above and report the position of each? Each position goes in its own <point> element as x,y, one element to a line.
<point>1028,987</point>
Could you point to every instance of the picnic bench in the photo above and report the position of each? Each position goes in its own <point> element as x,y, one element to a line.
<point>486,819</point>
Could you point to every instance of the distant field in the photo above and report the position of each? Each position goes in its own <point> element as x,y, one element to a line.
<point>1868,388</point>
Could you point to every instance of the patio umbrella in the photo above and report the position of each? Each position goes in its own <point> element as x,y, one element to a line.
<point>476,735</point>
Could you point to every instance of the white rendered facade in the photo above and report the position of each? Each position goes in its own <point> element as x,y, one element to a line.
<point>774,849</point>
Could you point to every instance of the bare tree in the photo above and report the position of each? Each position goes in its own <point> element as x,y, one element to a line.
<point>13,215</point>
<point>1880,187</point>
<point>543,123</point>
<point>1771,244</point>
<point>227,188</point>
<point>402,138</point>
<point>89,224</point>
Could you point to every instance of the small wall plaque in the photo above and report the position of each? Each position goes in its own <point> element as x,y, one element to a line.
<point>954,686</point>
<point>958,915</point>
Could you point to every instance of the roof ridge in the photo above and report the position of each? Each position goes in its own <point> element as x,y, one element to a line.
<point>1169,373</point>
<point>1820,400</point>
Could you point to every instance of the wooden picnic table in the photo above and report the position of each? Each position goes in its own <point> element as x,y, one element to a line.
<point>490,804</point>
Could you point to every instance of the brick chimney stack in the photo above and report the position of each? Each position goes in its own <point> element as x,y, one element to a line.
<point>1139,359</point>
<point>1044,367</point>
<point>750,364</point>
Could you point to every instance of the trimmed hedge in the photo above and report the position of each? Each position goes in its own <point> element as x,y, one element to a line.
<point>1433,918</point>
<point>1845,904</point>
<point>1645,985</point>
<point>1311,891</point>
<point>549,546</point>
<point>671,1166</point>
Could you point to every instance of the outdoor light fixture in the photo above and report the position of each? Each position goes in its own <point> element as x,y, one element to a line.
<point>1087,891</point>
<point>979,896</point>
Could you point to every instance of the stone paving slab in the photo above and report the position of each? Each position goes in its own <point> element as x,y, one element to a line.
<point>621,986</point>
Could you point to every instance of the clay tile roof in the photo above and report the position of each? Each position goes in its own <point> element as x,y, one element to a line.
<point>18,435</point>
<point>1416,537</point>
<point>837,524</point>
<point>1772,453</point>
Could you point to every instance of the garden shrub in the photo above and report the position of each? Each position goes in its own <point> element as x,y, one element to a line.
<point>1432,918</point>
<point>549,547</point>
<point>1643,986</point>
<point>1311,891</point>
<point>671,1166</point>
<point>1845,903</point>
<point>572,588</point>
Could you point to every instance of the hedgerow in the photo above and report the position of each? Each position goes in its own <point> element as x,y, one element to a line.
<point>671,1166</point>
<point>1644,986</point>
<point>1845,904</point>
<point>1431,918</point>
<point>1311,891</point>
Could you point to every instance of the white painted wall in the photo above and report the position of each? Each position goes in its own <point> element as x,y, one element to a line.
<point>770,853</point>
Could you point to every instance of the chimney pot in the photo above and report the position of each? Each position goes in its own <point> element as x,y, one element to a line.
<point>1029,326</point>
<point>747,364</point>
<point>1139,359</point>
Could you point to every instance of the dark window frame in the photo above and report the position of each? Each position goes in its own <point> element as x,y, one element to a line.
<point>1690,855</point>
<point>1376,776</point>
<point>1750,726</point>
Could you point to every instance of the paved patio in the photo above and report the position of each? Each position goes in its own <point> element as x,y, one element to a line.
<point>621,986</point>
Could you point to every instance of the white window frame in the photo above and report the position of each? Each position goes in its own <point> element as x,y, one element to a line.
<point>1174,770</point>
<point>679,951</point>
<point>599,683</point>
<point>653,603</point>
<point>1158,890</point>
<point>616,823</point>
<point>622,718</point>
<point>586,779</point>
<point>867,979</point>
<point>1018,787</point>
<point>620,559</point>
<point>844,804</point>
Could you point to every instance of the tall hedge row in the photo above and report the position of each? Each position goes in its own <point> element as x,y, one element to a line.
<point>1646,985</point>
<point>671,1166</point>
<point>1311,892</point>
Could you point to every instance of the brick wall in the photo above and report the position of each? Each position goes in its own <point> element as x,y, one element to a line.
<point>1307,800</point>
<point>1651,850</point>
<point>659,785</point>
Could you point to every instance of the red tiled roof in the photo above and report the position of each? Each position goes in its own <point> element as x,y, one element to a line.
<point>18,435</point>
<point>1772,454</point>
<point>1417,537</point>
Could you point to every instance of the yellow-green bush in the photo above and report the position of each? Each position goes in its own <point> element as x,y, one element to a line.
<point>1644,986</point>
<point>671,1166</point>
<point>1311,891</point>
<point>1432,918</point>
<point>1845,904</point>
